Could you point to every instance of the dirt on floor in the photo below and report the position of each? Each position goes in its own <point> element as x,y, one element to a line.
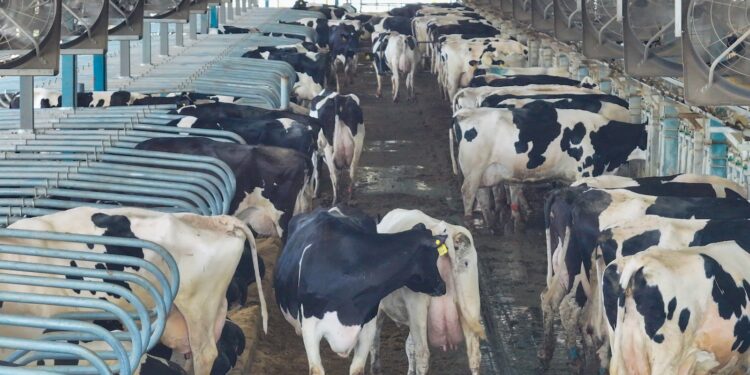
<point>406,164</point>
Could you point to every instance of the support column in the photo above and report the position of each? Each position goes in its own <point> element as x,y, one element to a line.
<point>719,150</point>
<point>213,17</point>
<point>284,92</point>
<point>669,145</point>
<point>146,44</point>
<point>27,103</point>
<point>179,35</point>
<point>124,59</point>
<point>230,10</point>
<point>163,39</point>
<point>193,27</point>
<point>222,14</point>
<point>100,72</point>
<point>533,52</point>
<point>69,80</point>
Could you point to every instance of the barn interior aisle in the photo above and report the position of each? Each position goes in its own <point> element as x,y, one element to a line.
<point>405,164</point>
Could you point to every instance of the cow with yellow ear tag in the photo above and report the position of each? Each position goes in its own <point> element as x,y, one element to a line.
<point>438,321</point>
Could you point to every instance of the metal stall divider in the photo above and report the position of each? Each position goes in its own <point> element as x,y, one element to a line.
<point>143,314</point>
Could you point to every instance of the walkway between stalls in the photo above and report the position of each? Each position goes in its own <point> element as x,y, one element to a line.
<point>406,164</point>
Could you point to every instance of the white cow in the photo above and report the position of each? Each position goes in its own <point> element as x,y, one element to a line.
<point>400,55</point>
<point>206,250</point>
<point>444,321</point>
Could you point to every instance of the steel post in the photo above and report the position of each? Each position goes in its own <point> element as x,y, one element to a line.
<point>284,92</point>
<point>27,103</point>
<point>179,35</point>
<point>146,44</point>
<point>669,140</point>
<point>193,27</point>
<point>124,59</point>
<point>69,80</point>
<point>164,39</point>
<point>100,72</point>
<point>213,17</point>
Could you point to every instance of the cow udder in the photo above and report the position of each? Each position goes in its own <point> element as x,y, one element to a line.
<point>443,324</point>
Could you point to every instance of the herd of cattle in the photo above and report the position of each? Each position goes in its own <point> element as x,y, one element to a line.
<point>649,275</point>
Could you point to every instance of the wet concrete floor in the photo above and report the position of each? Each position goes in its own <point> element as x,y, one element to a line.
<point>406,164</point>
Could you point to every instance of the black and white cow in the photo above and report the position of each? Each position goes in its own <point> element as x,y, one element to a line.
<point>438,322</point>
<point>321,27</point>
<point>679,311</point>
<point>344,44</point>
<point>395,54</point>
<point>311,68</point>
<point>270,180</point>
<point>525,80</point>
<point>334,271</point>
<point>539,143</point>
<point>329,11</point>
<point>342,135</point>
<point>574,218</point>
<point>204,248</point>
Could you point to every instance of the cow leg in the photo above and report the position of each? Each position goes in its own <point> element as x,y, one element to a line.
<point>312,346</point>
<point>418,335</point>
<point>364,343</point>
<point>395,82</point>
<point>202,336</point>
<point>501,206</point>
<point>378,91</point>
<point>359,142</point>
<point>375,367</point>
<point>473,353</point>
<point>410,84</point>
<point>469,192</point>
<point>332,172</point>
<point>551,298</point>
<point>316,174</point>
<point>410,355</point>
<point>569,315</point>
<point>515,208</point>
<point>485,201</point>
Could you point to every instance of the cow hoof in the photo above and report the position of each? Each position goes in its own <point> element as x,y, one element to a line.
<point>469,221</point>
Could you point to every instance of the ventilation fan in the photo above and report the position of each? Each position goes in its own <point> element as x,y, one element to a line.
<point>30,37</point>
<point>126,19</point>
<point>542,15</point>
<point>651,48</point>
<point>173,10</point>
<point>602,29</point>
<point>568,27</point>
<point>715,52</point>
<point>522,11</point>
<point>84,27</point>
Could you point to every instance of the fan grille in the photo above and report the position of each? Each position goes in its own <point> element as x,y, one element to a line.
<point>713,27</point>
<point>160,8</point>
<point>24,25</point>
<point>120,11</point>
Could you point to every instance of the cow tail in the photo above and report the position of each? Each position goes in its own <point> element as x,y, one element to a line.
<point>451,146</point>
<point>547,209</point>
<point>254,250</point>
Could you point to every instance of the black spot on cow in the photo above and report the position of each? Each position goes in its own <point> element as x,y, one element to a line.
<point>611,292</point>
<point>723,230</point>
<point>121,283</point>
<point>742,335</point>
<point>537,124</point>
<point>684,319</point>
<point>490,48</point>
<point>411,43</point>
<point>110,325</point>
<point>72,277</point>
<point>309,23</point>
<point>457,131</point>
<point>117,226</point>
<point>573,137</point>
<point>732,194</point>
<point>470,134</point>
<point>729,298</point>
<point>613,143</point>
<point>640,242</point>
<point>586,174</point>
<point>671,306</point>
<point>153,365</point>
<point>650,304</point>
<point>90,246</point>
<point>119,98</point>
<point>701,208</point>
<point>608,245</point>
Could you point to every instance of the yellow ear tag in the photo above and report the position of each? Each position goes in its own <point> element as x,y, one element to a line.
<point>442,250</point>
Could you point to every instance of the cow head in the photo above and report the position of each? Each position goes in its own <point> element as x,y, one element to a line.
<point>425,277</point>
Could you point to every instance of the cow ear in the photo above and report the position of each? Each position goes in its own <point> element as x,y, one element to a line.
<point>419,226</point>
